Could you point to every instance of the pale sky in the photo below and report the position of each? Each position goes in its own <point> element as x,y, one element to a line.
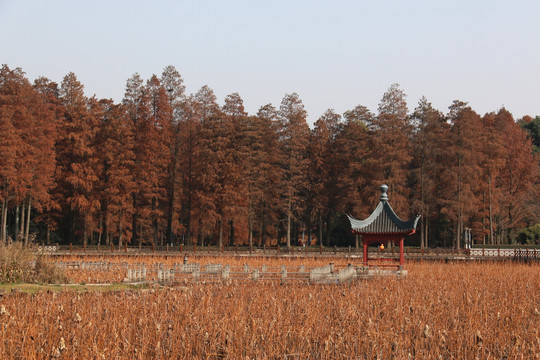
<point>334,54</point>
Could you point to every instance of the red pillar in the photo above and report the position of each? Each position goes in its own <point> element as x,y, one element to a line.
<point>365,254</point>
<point>401,257</point>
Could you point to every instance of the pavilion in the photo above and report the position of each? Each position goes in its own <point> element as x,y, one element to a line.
<point>382,226</point>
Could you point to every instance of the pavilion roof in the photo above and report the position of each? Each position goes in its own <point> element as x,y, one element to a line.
<point>383,220</point>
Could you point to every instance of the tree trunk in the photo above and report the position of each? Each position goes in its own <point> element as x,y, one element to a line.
<point>220,234</point>
<point>328,229</point>
<point>320,232</point>
<point>422,231</point>
<point>231,233</point>
<point>27,227</point>
<point>100,233</point>
<point>263,228</point>
<point>199,234</point>
<point>120,233</point>
<point>17,220</point>
<point>4,222</point>
<point>250,232</point>
<point>170,215</point>
<point>490,211</point>
<point>85,240</point>
<point>427,233</point>
<point>134,235</point>
<point>140,238</point>
<point>154,223</point>
<point>289,218</point>
<point>21,230</point>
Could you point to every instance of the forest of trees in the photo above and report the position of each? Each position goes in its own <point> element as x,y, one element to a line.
<point>163,166</point>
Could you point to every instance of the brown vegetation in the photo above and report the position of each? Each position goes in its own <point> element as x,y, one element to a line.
<point>18,264</point>
<point>449,311</point>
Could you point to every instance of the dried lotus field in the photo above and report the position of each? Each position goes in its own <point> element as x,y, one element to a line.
<point>439,311</point>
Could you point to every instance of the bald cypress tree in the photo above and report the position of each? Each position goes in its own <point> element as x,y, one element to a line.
<point>352,154</point>
<point>294,139</point>
<point>518,178</point>
<point>77,175</point>
<point>460,191</point>
<point>323,171</point>
<point>429,144</point>
<point>265,172</point>
<point>391,155</point>
<point>116,156</point>
<point>172,82</point>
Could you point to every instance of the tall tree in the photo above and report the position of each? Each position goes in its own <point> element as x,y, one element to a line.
<point>49,92</point>
<point>323,171</point>
<point>161,120</point>
<point>519,200</point>
<point>239,219</point>
<point>429,143</point>
<point>210,118</point>
<point>460,192</point>
<point>294,138</point>
<point>12,147</point>
<point>492,147</point>
<point>189,167</point>
<point>352,154</point>
<point>115,141</point>
<point>391,155</point>
<point>31,126</point>
<point>77,159</point>
<point>264,172</point>
<point>144,113</point>
<point>172,82</point>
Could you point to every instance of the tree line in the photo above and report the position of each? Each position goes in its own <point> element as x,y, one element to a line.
<point>163,166</point>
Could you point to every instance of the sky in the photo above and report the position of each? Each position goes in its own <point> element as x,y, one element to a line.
<point>334,54</point>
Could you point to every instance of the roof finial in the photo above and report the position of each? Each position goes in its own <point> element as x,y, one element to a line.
<point>384,195</point>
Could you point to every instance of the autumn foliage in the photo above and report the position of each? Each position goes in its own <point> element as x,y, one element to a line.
<point>166,167</point>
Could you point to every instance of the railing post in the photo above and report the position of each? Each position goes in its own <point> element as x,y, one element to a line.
<point>70,248</point>
<point>125,247</point>
<point>499,252</point>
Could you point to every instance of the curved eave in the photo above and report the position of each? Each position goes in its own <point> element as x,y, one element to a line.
<point>383,221</point>
<point>356,224</point>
